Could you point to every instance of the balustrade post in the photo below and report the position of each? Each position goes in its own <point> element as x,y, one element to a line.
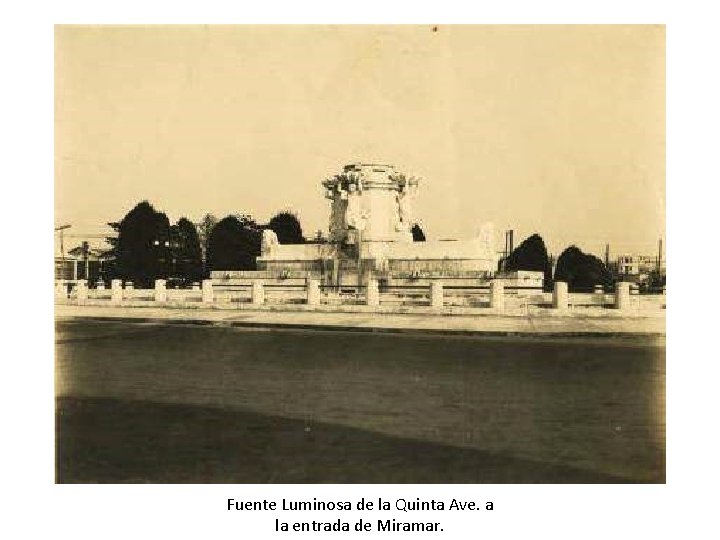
<point>60,289</point>
<point>258,292</point>
<point>372,296</point>
<point>160,290</point>
<point>560,296</point>
<point>208,297</point>
<point>436,294</point>
<point>497,295</point>
<point>622,295</point>
<point>82,290</point>
<point>313,292</point>
<point>116,289</point>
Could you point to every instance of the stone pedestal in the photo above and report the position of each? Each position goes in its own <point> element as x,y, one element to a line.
<point>372,297</point>
<point>436,294</point>
<point>116,291</point>
<point>258,292</point>
<point>560,296</point>
<point>497,295</point>
<point>160,291</point>
<point>82,290</point>
<point>313,292</point>
<point>100,286</point>
<point>622,295</point>
<point>208,297</point>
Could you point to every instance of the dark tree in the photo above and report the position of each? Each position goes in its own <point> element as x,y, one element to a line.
<point>142,247</point>
<point>417,233</point>
<point>109,269</point>
<point>112,241</point>
<point>530,255</point>
<point>162,251</point>
<point>581,271</point>
<point>287,227</point>
<point>186,252</point>
<point>233,245</point>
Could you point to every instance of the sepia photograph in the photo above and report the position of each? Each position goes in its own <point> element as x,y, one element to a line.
<point>360,254</point>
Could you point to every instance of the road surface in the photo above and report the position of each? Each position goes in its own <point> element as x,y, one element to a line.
<point>156,402</point>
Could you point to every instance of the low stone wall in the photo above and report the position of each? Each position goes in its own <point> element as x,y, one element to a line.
<point>436,296</point>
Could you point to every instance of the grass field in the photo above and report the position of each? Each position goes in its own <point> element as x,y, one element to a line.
<point>170,403</point>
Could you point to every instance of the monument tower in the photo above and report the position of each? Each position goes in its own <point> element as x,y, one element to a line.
<point>370,236</point>
<point>371,203</point>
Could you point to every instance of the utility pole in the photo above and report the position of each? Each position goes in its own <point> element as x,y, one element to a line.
<point>61,229</point>
<point>86,259</point>
<point>508,242</point>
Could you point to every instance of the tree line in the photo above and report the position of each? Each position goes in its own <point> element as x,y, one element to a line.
<point>581,271</point>
<point>147,247</point>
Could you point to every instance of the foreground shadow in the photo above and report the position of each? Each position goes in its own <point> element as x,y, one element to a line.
<point>117,441</point>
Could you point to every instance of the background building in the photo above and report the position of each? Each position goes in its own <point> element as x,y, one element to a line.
<point>86,258</point>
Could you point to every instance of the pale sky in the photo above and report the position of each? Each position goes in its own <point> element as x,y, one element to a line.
<point>552,129</point>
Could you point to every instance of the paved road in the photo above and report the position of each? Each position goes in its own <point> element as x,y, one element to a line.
<point>156,402</point>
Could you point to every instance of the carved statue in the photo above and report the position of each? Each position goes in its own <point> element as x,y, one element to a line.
<point>269,242</point>
<point>355,217</point>
<point>370,200</point>
<point>405,217</point>
<point>337,218</point>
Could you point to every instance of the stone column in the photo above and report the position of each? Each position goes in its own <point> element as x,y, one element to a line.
<point>207,291</point>
<point>372,296</point>
<point>258,292</point>
<point>117,291</point>
<point>160,291</point>
<point>436,294</point>
<point>313,292</point>
<point>560,295</point>
<point>60,289</point>
<point>497,295</point>
<point>622,295</point>
<point>82,290</point>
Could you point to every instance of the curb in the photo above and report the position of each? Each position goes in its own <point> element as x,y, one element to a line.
<point>370,330</point>
<point>448,311</point>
